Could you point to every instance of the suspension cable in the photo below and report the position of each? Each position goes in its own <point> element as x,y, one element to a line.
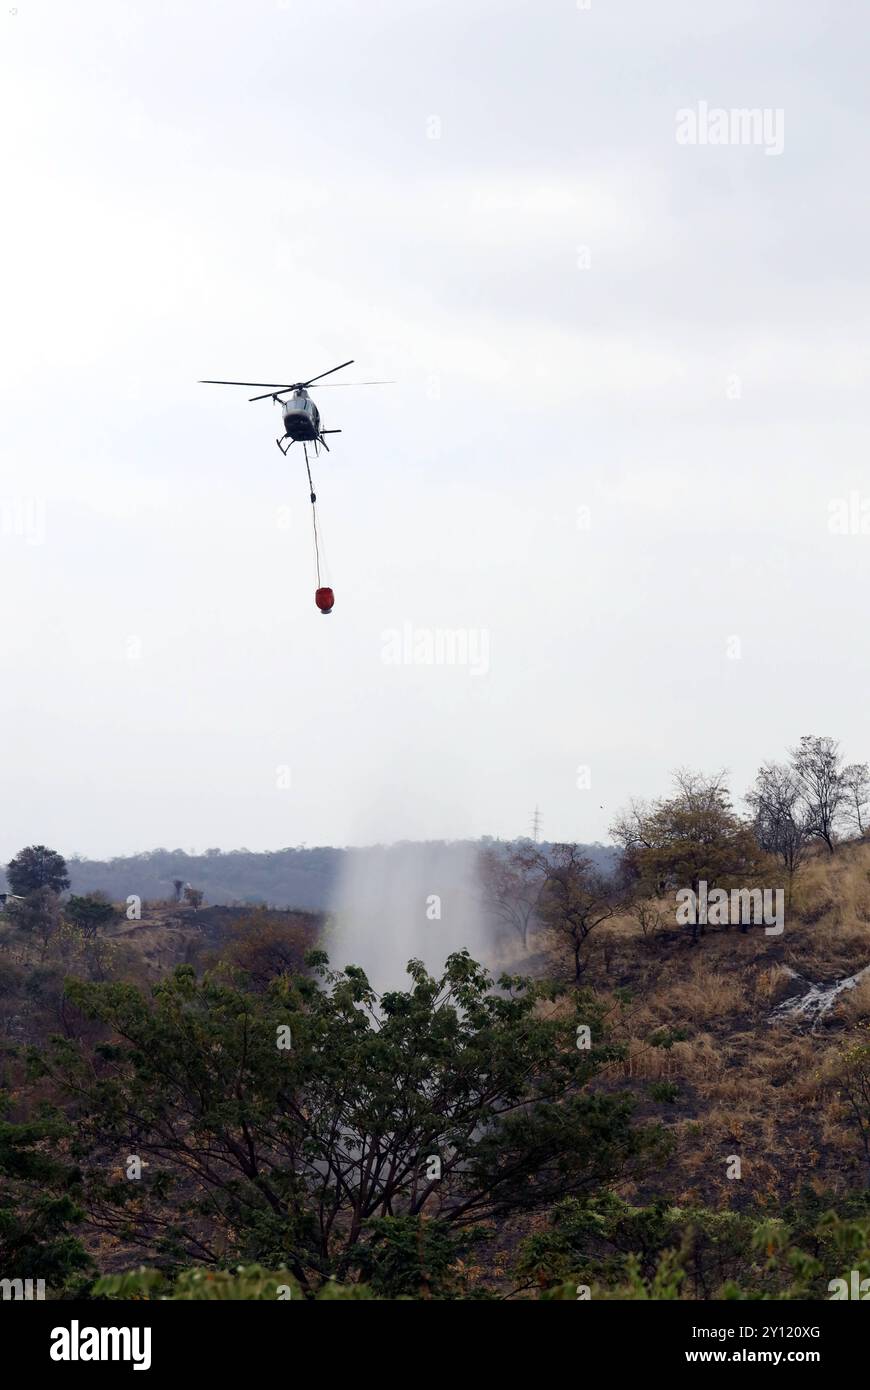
<point>313,496</point>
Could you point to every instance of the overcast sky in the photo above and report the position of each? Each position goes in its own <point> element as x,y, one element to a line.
<point>630,404</point>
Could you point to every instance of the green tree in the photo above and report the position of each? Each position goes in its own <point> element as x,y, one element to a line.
<point>408,1255</point>
<point>602,1238</point>
<point>38,915</point>
<point>299,1116</point>
<point>37,867</point>
<point>688,838</point>
<point>89,912</point>
<point>624,1252</point>
<point>37,1204</point>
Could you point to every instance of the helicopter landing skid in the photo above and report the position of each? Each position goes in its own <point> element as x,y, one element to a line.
<point>281,445</point>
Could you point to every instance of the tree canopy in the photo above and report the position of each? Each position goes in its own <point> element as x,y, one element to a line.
<point>37,867</point>
<point>689,837</point>
<point>318,1121</point>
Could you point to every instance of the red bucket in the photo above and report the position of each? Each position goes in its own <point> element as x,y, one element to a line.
<point>325,599</point>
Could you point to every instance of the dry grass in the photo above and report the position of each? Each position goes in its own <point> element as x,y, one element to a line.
<point>748,1087</point>
<point>829,922</point>
<point>699,994</point>
<point>696,1058</point>
<point>853,1005</point>
<point>772,983</point>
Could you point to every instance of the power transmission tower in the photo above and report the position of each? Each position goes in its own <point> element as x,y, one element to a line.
<point>536,825</point>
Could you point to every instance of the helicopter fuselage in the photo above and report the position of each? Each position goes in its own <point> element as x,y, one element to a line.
<point>301,417</point>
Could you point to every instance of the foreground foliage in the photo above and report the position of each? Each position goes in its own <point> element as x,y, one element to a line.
<point>312,1126</point>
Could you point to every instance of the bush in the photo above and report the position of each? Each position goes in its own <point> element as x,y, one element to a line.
<point>664,1091</point>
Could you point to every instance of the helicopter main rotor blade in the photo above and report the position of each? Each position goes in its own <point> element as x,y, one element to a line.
<point>280,391</point>
<point>278,388</point>
<point>323,374</point>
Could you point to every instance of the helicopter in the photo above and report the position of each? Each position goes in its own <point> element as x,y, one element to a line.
<point>301,416</point>
<point>302,425</point>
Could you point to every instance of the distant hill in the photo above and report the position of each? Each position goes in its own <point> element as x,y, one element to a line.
<point>303,877</point>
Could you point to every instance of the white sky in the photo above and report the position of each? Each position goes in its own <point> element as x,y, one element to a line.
<point>249,190</point>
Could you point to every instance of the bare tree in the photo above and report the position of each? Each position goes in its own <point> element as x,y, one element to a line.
<point>778,818</point>
<point>648,917</point>
<point>513,881</point>
<point>856,783</point>
<point>632,828</point>
<point>702,793</point>
<point>576,899</point>
<point>816,763</point>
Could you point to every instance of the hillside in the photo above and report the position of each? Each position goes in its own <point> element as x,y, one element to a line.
<point>737,1051</point>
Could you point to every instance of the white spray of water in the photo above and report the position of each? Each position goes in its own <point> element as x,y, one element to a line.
<point>399,902</point>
